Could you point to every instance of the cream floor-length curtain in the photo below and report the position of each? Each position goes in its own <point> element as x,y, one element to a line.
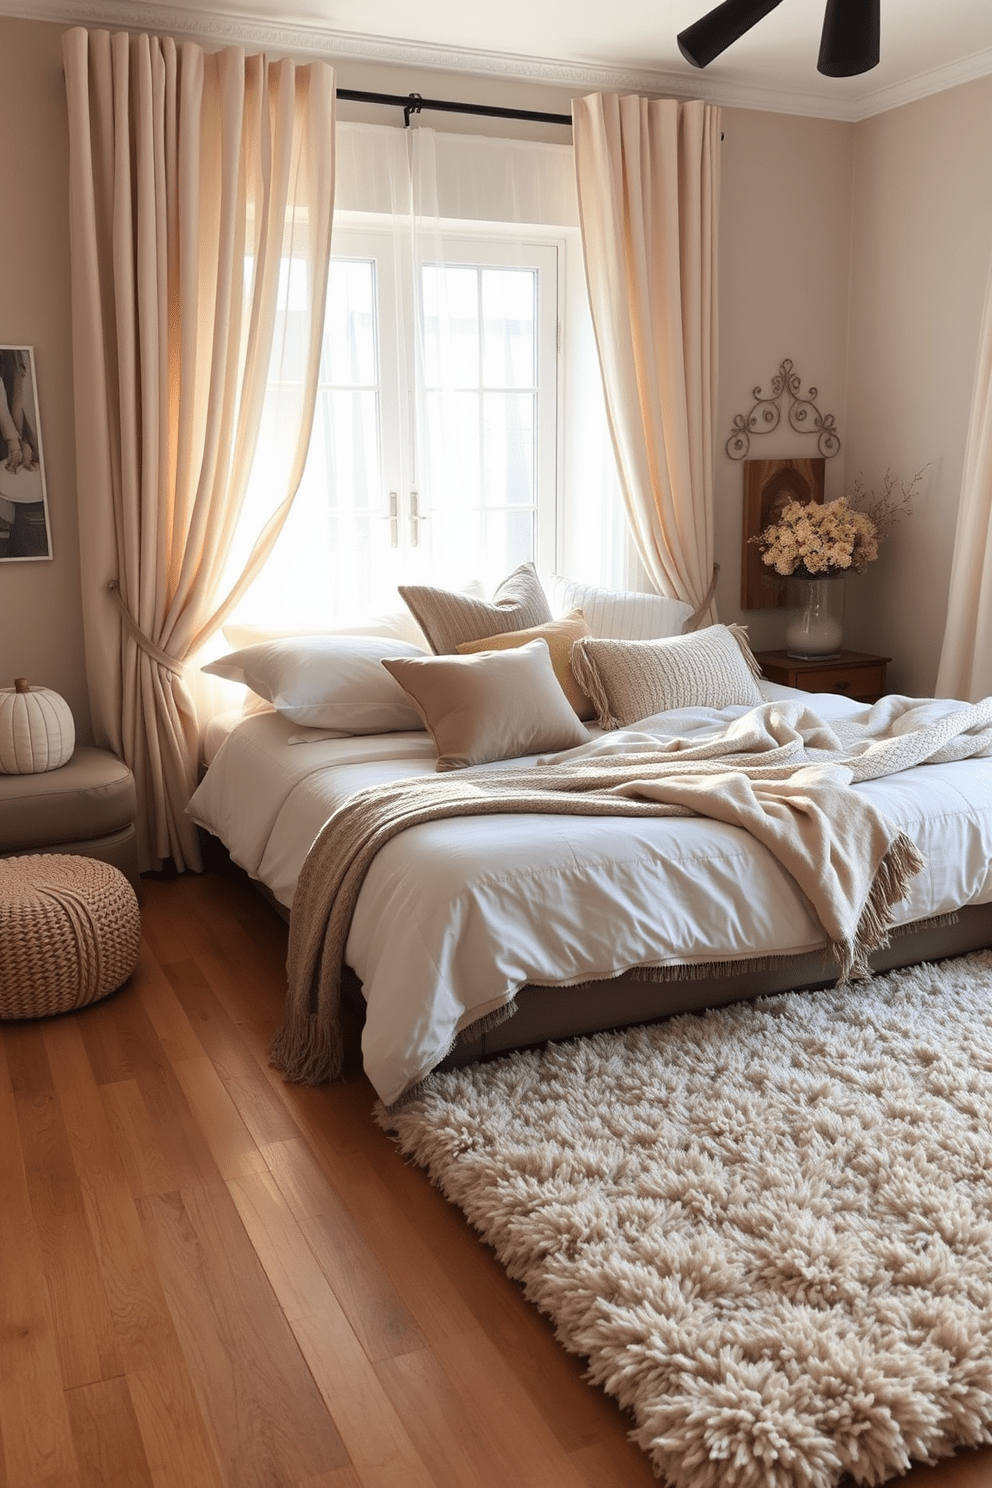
<point>965,669</point>
<point>648,183</point>
<point>198,183</point>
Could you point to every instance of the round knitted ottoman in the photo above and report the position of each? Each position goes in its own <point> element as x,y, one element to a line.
<point>69,933</point>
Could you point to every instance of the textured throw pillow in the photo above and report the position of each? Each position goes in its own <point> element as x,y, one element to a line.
<point>448,617</point>
<point>630,680</point>
<point>491,706</point>
<point>329,681</point>
<point>620,614</point>
<point>560,635</point>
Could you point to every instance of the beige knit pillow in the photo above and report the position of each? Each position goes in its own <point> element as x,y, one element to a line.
<point>448,618</point>
<point>561,636</point>
<point>492,706</point>
<point>630,680</point>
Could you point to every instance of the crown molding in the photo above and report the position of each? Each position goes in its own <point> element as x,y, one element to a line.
<point>842,103</point>
<point>937,80</point>
<point>326,42</point>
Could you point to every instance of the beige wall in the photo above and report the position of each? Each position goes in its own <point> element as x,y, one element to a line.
<point>922,236</point>
<point>785,218</point>
<point>860,251</point>
<point>41,630</point>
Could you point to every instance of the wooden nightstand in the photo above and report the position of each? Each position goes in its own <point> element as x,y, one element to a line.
<point>855,673</point>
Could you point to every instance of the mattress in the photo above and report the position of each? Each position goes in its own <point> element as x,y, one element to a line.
<point>455,916</point>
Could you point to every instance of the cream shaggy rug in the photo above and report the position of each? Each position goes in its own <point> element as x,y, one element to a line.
<point>768,1229</point>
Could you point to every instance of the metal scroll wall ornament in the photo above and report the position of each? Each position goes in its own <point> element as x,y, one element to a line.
<point>766,415</point>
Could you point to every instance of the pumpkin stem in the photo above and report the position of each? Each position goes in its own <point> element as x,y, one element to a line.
<point>21,684</point>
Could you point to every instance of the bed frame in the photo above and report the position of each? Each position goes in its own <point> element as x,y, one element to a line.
<point>545,1013</point>
<point>548,1013</point>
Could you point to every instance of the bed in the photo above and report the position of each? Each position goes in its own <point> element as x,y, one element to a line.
<point>572,923</point>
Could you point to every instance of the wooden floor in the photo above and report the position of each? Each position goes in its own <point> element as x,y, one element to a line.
<point>209,1277</point>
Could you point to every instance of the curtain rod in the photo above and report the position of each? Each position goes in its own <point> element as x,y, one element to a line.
<point>412,103</point>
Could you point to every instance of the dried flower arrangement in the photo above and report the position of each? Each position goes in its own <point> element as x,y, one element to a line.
<point>814,541</point>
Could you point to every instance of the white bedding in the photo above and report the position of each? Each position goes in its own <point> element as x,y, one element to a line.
<point>456,915</point>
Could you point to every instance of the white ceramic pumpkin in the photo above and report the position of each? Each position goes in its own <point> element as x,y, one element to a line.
<point>37,731</point>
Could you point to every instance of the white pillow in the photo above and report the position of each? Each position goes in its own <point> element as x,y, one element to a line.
<point>619,614</point>
<point>333,682</point>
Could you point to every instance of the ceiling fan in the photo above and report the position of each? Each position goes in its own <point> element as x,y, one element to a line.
<point>848,43</point>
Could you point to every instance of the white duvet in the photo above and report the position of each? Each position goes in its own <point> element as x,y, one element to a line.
<point>456,915</point>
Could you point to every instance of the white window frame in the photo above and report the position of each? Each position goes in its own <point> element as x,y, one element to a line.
<point>574,518</point>
<point>481,245</point>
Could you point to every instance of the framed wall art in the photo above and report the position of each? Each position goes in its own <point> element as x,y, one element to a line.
<point>769,486</point>
<point>25,532</point>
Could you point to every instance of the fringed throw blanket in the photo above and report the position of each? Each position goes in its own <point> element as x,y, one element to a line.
<point>778,771</point>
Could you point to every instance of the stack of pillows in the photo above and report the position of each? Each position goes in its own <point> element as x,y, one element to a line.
<point>502,677</point>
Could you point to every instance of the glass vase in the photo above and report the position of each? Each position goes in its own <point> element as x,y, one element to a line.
<point>814,625</point>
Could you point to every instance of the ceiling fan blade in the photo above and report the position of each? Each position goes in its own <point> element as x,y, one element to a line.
<point>708,37</point>
<point>849,42</point>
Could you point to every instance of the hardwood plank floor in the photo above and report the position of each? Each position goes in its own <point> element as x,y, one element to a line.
<point>212,1279</point>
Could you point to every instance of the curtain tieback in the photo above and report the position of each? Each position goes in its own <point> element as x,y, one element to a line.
<point>692,623</point>
<point>138,636</point>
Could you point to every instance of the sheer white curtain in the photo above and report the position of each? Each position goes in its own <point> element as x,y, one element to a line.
<point>194,178</point>
<point>431,289</point>
<point>648,181</point>
<point>966,657</point>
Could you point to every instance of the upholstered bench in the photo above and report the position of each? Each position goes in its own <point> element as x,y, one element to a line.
<point>70,932</point>
<point>86,806</point>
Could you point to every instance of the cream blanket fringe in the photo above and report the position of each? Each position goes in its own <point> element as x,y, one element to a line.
<point>779,771</point>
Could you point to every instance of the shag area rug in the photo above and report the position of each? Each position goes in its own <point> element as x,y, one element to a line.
<point>767,1228</point>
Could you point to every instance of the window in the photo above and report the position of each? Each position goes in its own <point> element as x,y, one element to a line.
<point>435,448</point>
<point>459,426</point>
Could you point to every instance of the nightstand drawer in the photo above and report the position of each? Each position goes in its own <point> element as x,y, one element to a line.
<point>854,681</point>
<point>856,674</point>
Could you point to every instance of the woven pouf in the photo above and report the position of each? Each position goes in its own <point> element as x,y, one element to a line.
<point>70,929</point>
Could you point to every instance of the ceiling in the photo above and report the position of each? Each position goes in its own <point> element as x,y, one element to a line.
<point>585,45</point>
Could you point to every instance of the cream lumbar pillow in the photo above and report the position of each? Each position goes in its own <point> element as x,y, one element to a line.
<point>448,618</point>
<point>630,680</point>
<point>620,614</point>
<point>494,705</point>
<point>561,636</point>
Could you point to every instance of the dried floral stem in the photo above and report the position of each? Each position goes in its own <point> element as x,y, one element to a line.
<point>887,509</point>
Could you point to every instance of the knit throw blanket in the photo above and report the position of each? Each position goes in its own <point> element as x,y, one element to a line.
<point>779,771</point>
